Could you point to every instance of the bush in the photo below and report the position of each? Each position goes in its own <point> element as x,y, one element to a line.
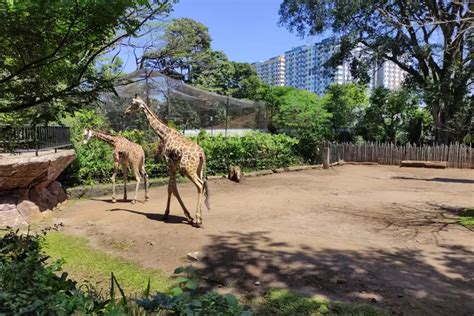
<point>185,299</point>
<point>30,285</point>
<point>255,151</point>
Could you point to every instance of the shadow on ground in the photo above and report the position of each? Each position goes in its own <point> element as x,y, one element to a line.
<point>172,219</point>
<point>399,280</point>
<point>443,180</point>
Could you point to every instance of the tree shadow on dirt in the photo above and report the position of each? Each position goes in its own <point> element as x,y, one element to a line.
<point>172,219</point>
<point>400,280</point>
<point>444,180</point>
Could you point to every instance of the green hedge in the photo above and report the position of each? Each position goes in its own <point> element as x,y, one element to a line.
<point>254,151</point>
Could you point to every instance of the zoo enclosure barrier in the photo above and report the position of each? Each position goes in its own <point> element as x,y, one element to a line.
<point>456,155</point>
<point>17,139</point>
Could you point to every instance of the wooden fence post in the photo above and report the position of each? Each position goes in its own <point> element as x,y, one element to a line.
<point>325,154</point>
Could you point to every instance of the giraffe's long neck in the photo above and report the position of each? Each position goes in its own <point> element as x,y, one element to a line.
<point>109,139</point>
<point>158,126</point>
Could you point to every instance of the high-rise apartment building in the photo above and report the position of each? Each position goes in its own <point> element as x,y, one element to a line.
<point>304,67</point>
<point>271,71</point>
<point>389,75</point>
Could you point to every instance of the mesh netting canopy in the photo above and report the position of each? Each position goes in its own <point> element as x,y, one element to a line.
<point>188,106</point>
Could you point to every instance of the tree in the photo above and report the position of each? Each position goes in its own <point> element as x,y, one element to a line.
<point>186,45</point>
<point>394,116</point>
<point>427,39</point>
<point>345,103</point>
<point>245,83</point>
<point>50,50</point>
<point>213,73</point>
<point>301,114</point>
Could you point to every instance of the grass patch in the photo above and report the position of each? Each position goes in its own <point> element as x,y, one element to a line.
<point>466,218</point>
<point>93,266</point>
<point>285,302</point>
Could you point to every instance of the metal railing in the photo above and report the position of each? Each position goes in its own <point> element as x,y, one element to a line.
<point>17,139</point>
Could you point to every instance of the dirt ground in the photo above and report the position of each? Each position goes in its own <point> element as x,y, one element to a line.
<point>375,234</point>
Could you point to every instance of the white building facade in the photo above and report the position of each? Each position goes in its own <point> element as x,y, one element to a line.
<point>271,71</point>
<point>304,67</point>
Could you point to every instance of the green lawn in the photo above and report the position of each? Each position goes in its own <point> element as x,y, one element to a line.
<point>285,302</point>
<point>466,218</point>
<point>86,264</point>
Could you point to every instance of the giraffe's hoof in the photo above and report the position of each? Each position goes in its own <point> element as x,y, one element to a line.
<point>114,200</point>
<point>134,201</point>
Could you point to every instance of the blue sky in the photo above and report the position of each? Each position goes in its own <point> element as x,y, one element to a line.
<point>246,30</point>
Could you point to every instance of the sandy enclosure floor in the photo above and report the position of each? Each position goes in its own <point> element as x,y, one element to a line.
<point>376,234</point>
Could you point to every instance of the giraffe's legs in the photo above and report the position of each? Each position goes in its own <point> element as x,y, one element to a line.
<point>173,189</point>
<point>113,180</point>
<point>125,177</point>
<point>137,178</point>
<point>145,180</point>
<point>200,189</point>
<point>178,197</point>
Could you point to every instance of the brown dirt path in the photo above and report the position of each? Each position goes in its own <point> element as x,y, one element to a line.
<point>376,234</point>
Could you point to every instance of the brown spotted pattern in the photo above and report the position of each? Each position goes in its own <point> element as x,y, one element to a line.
<point>181,154</point>
<point>125,153</point>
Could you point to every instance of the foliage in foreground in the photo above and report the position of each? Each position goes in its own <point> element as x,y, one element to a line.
<point>285,302</point>
<point>29,284</point>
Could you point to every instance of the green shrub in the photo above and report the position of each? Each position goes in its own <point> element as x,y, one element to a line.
<point>185,299</point>
<point>30,286</point>
<point>254,151</point>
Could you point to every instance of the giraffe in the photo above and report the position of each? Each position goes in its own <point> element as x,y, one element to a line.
<point>125,153</point>
<point>181,154</point>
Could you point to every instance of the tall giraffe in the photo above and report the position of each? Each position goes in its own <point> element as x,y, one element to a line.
<point>181,154</point>
<point>125,153</point>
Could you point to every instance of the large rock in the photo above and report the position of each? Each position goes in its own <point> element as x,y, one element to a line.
<point>28,210</point>
<point>18,172</point>
<point>28,185</point>
<point>9,215</point>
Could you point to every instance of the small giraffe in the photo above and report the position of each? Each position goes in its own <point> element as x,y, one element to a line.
<point>181,154</point>
<point>125,153</point>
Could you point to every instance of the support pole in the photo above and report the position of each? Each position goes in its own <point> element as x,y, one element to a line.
<point>325,154</point>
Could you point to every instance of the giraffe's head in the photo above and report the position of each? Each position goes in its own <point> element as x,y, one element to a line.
<point>135,105</point>
<point>87,134</point>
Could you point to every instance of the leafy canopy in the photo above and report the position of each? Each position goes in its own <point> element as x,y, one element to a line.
<point>50,51</point>
<point>301,114</point>
<point>430,40</point>
<point>345,103</point>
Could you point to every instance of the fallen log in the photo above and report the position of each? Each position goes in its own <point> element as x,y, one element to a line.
<point>424,164</point>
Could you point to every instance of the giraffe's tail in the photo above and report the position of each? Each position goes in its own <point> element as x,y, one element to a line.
<point>204,179</point>
<point>206,194</point>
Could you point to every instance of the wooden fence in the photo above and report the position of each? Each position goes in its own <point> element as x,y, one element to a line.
<point>457,155</point>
